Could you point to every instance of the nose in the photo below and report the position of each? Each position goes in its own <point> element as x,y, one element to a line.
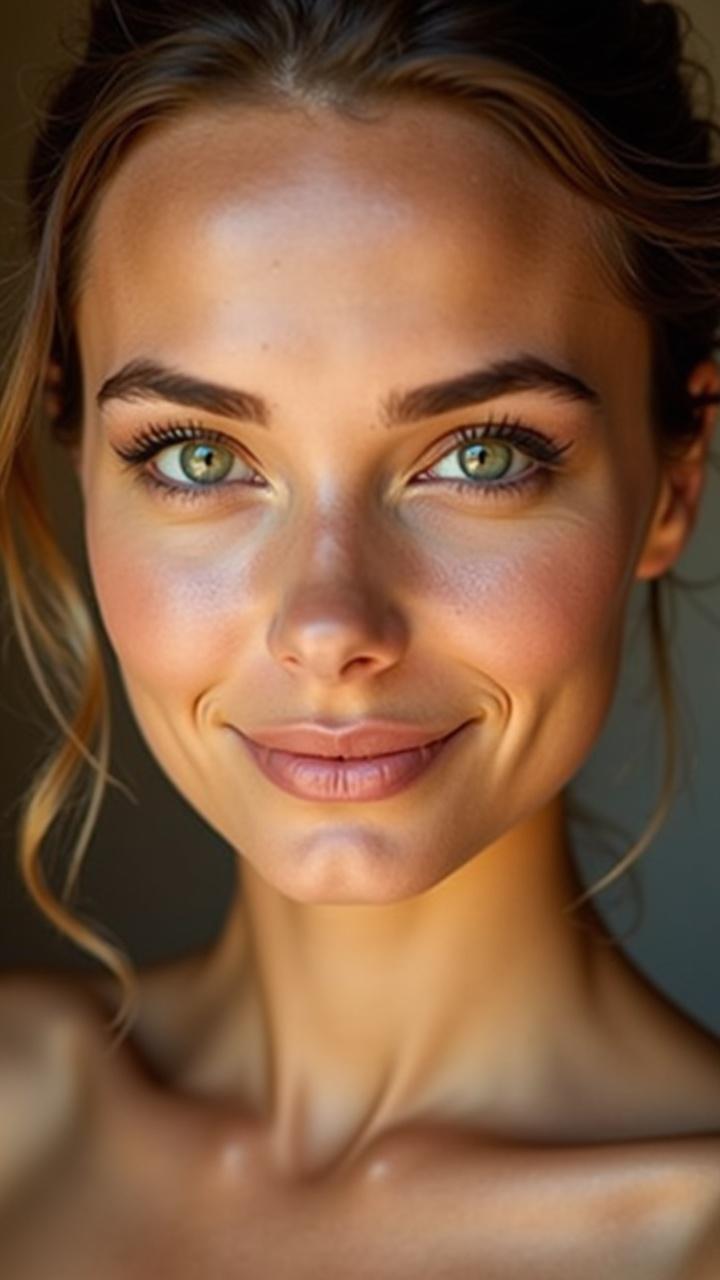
<point>336,622</point>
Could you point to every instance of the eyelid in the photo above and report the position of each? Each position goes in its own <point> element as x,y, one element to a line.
<point>155,438</point>
<point>514,431</point>
<point>522,439</point>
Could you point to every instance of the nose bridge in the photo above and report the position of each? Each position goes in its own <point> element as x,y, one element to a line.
<point>335,534</point>
<point>334,606</point>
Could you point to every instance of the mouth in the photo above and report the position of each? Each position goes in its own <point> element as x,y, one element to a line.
<point>368,739</point>
<point>356,778</point>
<point>375,755</point>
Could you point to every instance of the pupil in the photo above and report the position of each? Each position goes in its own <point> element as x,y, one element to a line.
<point>205,462</point>
<point>480,452</point>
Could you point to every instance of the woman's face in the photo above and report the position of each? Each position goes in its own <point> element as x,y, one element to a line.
<point>324,266</point>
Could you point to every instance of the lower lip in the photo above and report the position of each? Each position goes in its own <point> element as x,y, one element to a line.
<point>373,778</point>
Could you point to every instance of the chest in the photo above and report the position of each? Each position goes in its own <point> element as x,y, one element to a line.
<point>427,1215</point>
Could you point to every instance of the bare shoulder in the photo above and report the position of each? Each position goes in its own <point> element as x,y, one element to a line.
<point>39,1012</point>
<point>47,1043</point>
<point>654,1203</point>
<point>704,1260</point>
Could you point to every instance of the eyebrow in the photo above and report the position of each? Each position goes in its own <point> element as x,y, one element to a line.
<point>149,380</point>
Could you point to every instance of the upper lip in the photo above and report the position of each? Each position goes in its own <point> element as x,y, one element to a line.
<point>369,738</point>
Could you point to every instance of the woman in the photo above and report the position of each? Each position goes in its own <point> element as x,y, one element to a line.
<point>381,339</point>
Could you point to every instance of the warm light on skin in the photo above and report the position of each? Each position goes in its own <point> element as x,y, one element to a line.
<point>321,263</point>
<point>212,261</point>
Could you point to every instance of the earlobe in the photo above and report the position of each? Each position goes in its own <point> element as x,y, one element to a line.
<point>681,486</point>
<point>670,527</point>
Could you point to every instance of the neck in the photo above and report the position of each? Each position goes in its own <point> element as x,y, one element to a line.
<point>451,1005</point>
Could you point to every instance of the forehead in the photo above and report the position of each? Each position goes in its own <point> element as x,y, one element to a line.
<point>421,221</point>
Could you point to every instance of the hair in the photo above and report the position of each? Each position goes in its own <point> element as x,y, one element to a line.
<point>602,94</point>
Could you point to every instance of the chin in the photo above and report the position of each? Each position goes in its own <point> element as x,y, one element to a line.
<point>349,875</point>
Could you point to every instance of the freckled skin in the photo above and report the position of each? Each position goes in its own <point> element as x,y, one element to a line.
<point>404,284</point>
<point>320,263</point>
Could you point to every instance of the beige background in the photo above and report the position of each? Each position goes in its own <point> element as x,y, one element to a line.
<point>158,880</point>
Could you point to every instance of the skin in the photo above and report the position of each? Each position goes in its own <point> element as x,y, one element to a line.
<point>397,967</point>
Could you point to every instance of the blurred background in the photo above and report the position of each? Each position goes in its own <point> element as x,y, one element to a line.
<point>158,881</point>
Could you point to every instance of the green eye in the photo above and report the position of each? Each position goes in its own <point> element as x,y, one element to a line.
<point>189,461</point>
<point>482,460</point>
<point>204,462</point>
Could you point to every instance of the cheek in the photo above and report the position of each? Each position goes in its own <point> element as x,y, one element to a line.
<point>527,608</point>
<point>540,623</point>
<point>540,603</point>
<point>165,603</point>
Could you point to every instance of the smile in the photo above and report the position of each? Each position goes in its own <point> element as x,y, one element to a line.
<point>330,778</point>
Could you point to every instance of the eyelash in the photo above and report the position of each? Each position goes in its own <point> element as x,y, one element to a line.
<point>154,438</point>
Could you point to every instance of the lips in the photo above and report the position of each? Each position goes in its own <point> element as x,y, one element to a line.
<point>329,779</point>
<point>370,738</point>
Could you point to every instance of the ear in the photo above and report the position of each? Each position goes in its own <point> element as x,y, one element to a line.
<point>53,403</point>
<point>681,484</point>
